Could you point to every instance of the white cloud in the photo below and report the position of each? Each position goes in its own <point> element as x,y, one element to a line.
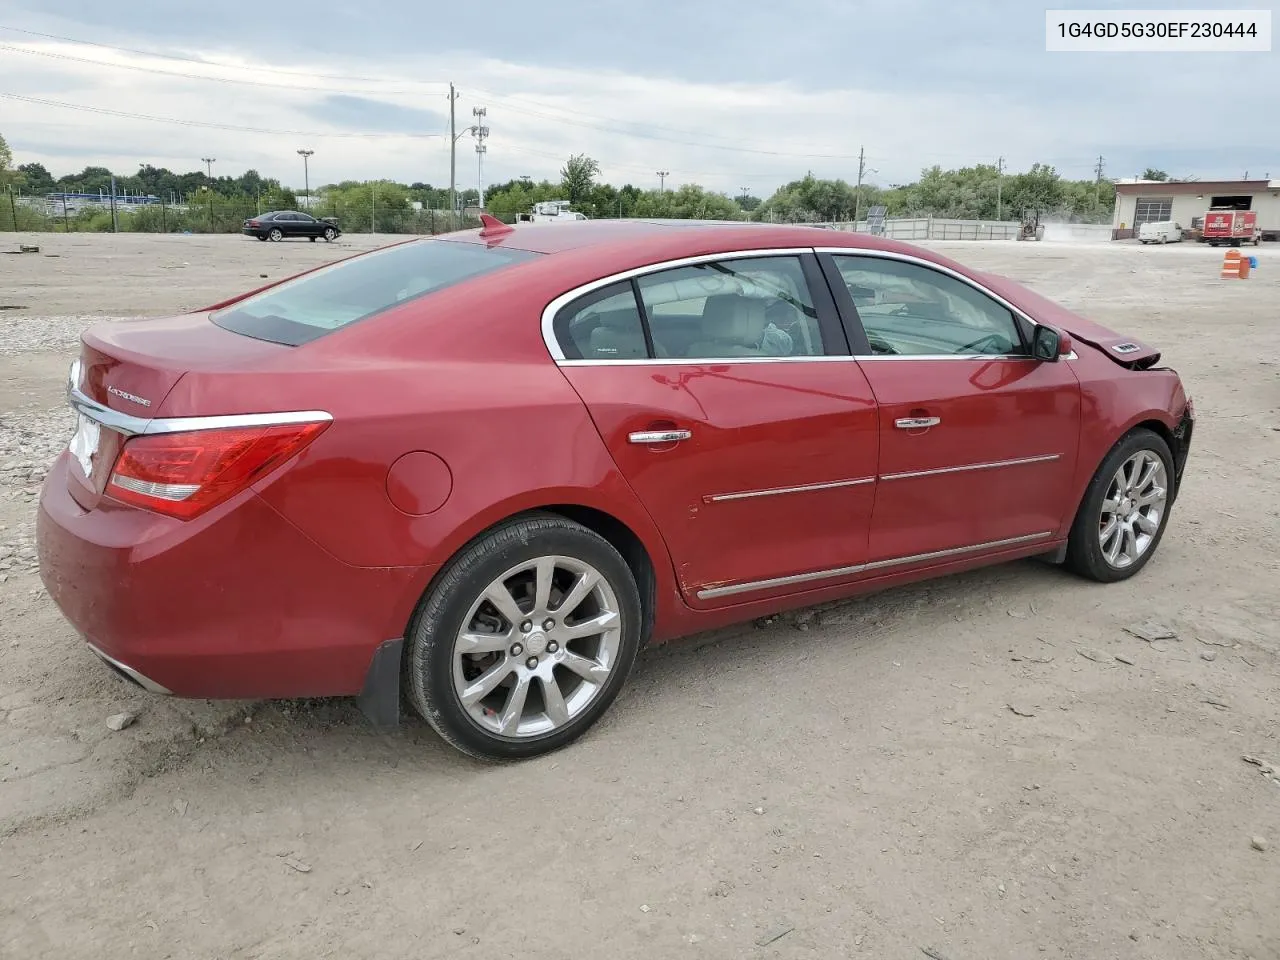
<point>723,135</point>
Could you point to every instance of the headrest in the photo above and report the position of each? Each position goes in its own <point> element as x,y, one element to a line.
<point>733,318</point>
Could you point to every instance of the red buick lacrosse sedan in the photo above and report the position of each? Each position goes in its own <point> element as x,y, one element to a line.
<point>481,471</point>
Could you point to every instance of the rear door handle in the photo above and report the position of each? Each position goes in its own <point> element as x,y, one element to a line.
<point>659,436</point>
<point>916,423</point>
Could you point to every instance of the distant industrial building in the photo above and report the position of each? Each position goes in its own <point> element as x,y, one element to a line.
<point>1186,201</point>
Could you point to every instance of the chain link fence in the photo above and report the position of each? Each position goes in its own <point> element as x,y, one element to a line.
<point>206,212</point>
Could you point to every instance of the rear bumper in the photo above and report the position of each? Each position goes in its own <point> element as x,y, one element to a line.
<point>237,604</point>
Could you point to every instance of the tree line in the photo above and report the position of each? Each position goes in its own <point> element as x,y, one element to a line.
<point>221,203</point>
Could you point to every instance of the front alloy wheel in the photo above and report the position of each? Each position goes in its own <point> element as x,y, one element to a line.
<point>1133,509</point>
<point>1125,509</point>
<point>525,640</point>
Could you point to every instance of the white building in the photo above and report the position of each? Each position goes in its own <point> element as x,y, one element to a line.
<point>1153,201</point>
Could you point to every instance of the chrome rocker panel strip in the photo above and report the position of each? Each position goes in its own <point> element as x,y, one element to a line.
<point>731,589</point>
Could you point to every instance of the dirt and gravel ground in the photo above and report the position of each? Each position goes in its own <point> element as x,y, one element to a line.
<point>986,766</point>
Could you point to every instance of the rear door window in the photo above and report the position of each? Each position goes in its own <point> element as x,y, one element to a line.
<point>310,306</point>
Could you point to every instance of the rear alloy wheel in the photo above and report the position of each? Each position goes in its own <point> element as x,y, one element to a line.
<point>1125,510</point>
<point>275,235</point>
<point>525,639</point>
<point>330,233</point>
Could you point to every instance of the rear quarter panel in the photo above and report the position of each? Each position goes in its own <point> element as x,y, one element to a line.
<point>464,375</point>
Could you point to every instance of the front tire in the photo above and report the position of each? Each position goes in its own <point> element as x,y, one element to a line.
<point>524,640</point>
<point>1125,510</point>
<point>330,234</point>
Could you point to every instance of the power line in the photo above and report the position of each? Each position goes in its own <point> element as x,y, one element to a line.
<point>687,143</point>
<point>171,73</point>
<point>604,127</point>
<point>517,100</point>
<point>215,126</point>
<point>520,101</point>
<point>306,74</point>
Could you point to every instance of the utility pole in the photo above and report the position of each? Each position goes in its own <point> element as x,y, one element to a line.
<point>662,180</point>
<point>209,161</point>
<point>453,155</point>
<point>1097,182</point>
<point>745,195</point>
<point>306,173</point>
<point>999,186</point>
<point>857,193</point>
<point>480,131</point>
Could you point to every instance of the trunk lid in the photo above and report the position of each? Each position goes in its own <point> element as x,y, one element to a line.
<point>1128,352</point>
<point>130,367</point>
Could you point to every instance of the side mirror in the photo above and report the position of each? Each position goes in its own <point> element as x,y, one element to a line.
<point>1049,344</point>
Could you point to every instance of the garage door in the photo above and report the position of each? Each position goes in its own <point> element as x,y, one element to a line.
<point>1152,210</point>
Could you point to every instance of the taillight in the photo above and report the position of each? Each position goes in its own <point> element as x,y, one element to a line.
<point>184,474</point>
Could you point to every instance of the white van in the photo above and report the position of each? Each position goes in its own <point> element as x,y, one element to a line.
<point>1166,231</point>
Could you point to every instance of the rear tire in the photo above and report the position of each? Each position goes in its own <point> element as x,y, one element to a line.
<point>527,672</point>
<point>261,237</point>
<point>1125,510</point>
<point>275,236</point>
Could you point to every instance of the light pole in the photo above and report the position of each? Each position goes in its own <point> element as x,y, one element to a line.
<point>662,180</point>
<point>480,131</point>
<point>209,161</point>
<point>306,173</point>
<point>745,196</point>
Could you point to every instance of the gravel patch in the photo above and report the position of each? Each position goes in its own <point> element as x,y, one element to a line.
<point>31,334</point>
<point>29,443</point>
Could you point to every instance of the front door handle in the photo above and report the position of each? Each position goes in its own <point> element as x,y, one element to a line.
<point>916,423</point>
<point>659,436</point>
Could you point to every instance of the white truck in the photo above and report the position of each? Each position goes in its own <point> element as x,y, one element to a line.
<point>1164,231</point>
<point>552,211</point>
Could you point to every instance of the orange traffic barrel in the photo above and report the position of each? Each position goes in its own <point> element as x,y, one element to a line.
<point>1231,265</point>
<point>1244,267</point>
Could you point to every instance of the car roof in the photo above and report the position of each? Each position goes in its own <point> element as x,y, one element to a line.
<point>621,244</point>
<point>669,237</point>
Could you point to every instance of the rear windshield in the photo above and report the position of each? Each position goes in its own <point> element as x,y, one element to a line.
<point>311,306</point>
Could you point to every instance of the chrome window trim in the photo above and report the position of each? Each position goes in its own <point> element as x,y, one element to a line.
<point>775,491</point>
<point>948,271</point>
<point>549,312</point>
<point>700,361</point>
<point>964,468</point>
<point>754,585</point>
<point>557,354</point>
<point>132,426</point>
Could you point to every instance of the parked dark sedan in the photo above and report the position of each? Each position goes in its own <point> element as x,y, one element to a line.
<point>282,224</point>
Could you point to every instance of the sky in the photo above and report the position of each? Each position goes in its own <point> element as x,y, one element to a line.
<point>729,94</point>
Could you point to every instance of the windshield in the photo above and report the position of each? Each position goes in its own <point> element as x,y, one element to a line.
<point>301,310</point>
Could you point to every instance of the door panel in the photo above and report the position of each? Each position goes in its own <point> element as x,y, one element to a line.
<point>776,477</point>
<point>997,464</point>
<point>977,439</point>
<point>753,448</point>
